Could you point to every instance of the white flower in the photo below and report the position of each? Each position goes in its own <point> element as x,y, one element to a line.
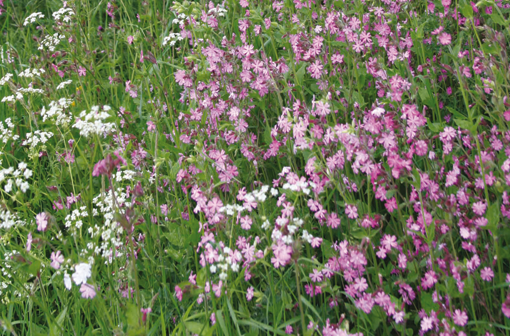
<point>378,111</point>
<point>67,281</point>
<point>82,273</point>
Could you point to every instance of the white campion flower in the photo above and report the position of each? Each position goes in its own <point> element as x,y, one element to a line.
<point>82,272</point>
<point>67,281</point>
<point>378,111</point>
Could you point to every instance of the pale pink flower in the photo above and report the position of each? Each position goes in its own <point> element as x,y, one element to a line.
<point>56,259</point>
<point>82,71</point>
<point>460,318</point>
<point>87,291</point>
<point>42,221</point>
<point>249,293</point>
<point>351,211</point>
<point>445,39</point>
<point>487,274</point>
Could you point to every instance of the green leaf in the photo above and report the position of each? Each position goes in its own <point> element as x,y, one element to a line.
<point>198,328</point>
<point>467,11</point>
<point>133,319</point>
<point>427,303</point>
<point>493,216</point>
<point>498,19</point>
<point>464,124</point>
<point>261,326</point>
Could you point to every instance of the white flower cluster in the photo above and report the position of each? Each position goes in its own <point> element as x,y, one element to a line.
<point>5,79</point>
<point>30,90</point>
<point>6,133</point>
<point>31,73</point>
<point>7,274</point>
<point>110,232</point>
<point>63,14</point>
<point>173,38</point>
<point>181,19</point>
<point>220,11</point>
<point>73,221</point>
<point>8,53</point>
<point>36,138</point>
<point>225,261</point>
<point>32,18</point>
<point>56,111</point>
<point>94,122</point>
<point>8,291</point>
<point>299,186</point>
<point>124,175</point>
<point>51,41</point>
<point>292,228</point>
<point>13,98</point>
<point>64,84</point>
<point>9,220</point>
<point>16,176</point>
<point>250,198</point>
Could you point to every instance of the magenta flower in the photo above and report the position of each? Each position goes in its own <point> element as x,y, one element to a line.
<point>178,292</point>
<point>505,307</point>
<point>145,312</point>
<point>288,330</point>
<point>130,39</point>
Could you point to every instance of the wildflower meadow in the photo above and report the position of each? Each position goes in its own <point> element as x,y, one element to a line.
<point>255,167</point>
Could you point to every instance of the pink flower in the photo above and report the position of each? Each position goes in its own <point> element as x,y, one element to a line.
<point>249,293</point>
<point>445,39</point>
<point>487,274</point>
<point>82,71</point>
<point>282,254</point>
<point>151,127</point>
<point>389,242</point>
<point>426,324</point>
<point>192,278</point>
<point>315,69</point>
<point>316,276</point>
<point>351,211</point>
<point>87,291</point>
<point>130,39</point>
<point>56,259</point>
<point>288,330</point>
<point>505,307</point>
<point>145,312</point>
<point>178,292</point>
<point>246,222</point>
<point>42,221</point>
<point>479,208</point>
<point>29,242</point>
<point>429,280</point>
<point>460,318</point>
